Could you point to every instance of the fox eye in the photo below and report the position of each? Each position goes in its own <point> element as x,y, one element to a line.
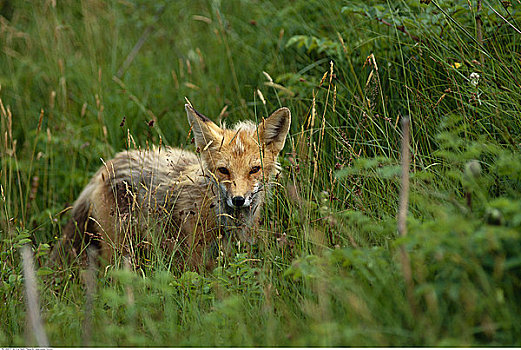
<point>223,171</point>
<point>255,169</point>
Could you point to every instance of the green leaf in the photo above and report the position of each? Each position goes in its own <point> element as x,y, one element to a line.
<point>44,271</point>
<point>22,242</point>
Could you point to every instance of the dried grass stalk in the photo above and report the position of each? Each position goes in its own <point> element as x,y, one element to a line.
<point>33,305</point>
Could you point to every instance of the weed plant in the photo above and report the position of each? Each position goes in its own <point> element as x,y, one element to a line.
<point>81,80</point>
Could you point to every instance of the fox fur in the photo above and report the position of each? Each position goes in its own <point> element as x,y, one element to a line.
<point>185,200</point>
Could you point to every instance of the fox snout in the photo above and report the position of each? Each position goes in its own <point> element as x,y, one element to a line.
<point>239,201</point>
<point>238,198</point>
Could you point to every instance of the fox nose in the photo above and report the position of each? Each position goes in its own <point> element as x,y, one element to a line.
<point>238,201</point>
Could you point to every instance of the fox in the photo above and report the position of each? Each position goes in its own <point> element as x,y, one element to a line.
<point>188,201</point>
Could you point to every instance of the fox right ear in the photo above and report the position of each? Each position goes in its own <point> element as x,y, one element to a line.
<point>273,131</point>
<point>205,131</point>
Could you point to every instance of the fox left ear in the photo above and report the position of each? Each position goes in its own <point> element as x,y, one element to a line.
<point>273,131</point>
<point>206,133</point>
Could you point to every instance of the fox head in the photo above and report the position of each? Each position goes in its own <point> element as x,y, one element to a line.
<point>242,159</point>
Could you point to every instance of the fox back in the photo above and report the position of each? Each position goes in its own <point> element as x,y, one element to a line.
<point>184,201</point>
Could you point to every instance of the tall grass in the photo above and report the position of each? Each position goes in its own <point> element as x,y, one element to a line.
<point>83,80</point>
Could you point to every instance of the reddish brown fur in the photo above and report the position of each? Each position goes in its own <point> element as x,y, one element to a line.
<point>189,201</point>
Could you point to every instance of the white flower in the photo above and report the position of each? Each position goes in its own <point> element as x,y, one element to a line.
<point>474,79</point>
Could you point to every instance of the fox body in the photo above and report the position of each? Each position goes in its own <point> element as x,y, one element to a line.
<point>182,200</point>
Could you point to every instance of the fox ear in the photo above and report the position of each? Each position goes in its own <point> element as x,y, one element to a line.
<point>273,131</point>
<point>206,133</point>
